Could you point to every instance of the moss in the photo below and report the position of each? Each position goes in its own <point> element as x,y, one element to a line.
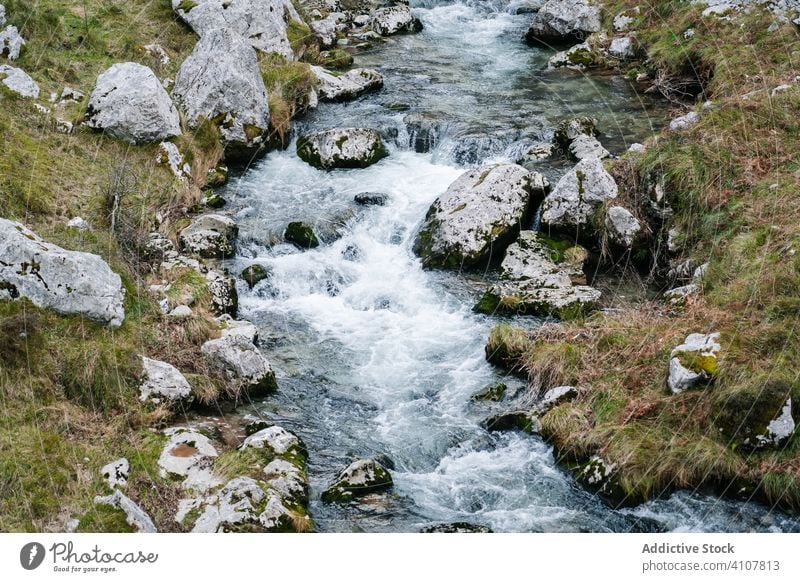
<point>254,274</point>
<point>105,519</point>
<point>336,59</point>
<point>493,393</point>
<point>301,235</point>
<point>507,345</point>
<point>187,5</point>
<point>300,36</point>
<point>744,411</point>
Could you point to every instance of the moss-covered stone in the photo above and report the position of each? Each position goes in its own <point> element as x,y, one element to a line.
<point>493,393</point>
<point>254,274</point>
<point>301,235</point>
<point>360,478</point>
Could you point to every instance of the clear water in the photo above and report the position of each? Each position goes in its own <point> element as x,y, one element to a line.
<point>376,356</point>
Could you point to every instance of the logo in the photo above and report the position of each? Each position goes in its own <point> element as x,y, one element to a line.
<point>31,555</point>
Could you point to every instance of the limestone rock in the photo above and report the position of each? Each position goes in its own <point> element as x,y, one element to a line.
<point>210,236</point>
<point>134,515</point>
<point>163,383</point>
<point>560,21</point>
<point>70,282</point>
<point>188,456</point>
<point>11,43</point>
<point>116,473</point>
<point>19,82</point>
<point>347,86</point>
<point>169,155</point>
<point>395,19</point>
<point>684,121</point>
<point>129,103</point>
<point>622,228</point>
<point>694,362</point>
<point>587,146</point>
<point>357,479</point>
<point>342,148</point>
<point>277,440</point>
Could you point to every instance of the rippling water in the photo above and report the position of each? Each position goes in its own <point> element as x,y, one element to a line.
<point>375,355</point>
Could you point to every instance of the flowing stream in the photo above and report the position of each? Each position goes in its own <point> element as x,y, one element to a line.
<point>376,356</point>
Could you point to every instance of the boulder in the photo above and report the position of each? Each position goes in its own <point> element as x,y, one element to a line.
<point>478,216</point>
<point>347,86</point>
<point>524,420</point>
<point>561,21</point>
<point>325,29</point>
<point>129,103</point>
<point>395,19</point>
<point>622,48</point>
<point>536,278</point>
<point>236,354</point>
<point>679,295</point>
<point>181,313</point>
<point>342,148</point>
<point>276,440</point>
<point>19,82</point>
<point>301,235</point>
<point>577,57</point>
<point>221,81</point>
<point>493,393</point>
<point>758,416</point>
<point>602,477</point>
<point>623,20</point>
<point>116,473</point>
<point>224,297</point>
<point>694,362</point>
<point>239,502</point>
<point>11,43</point>
<point>254,274</point>
<point>587,146</point>
<point>188,457</point>
<point>288,480</point>
<point>357,479</point>
<point>69,282</point>
<point>554,397</point>
<point>78,223</point>
<point>262,23</point>
<point>212,236</point>
<point>371,199</point>
<point>622,228</point>
<point>135,516</point>
<point>577,196</point>
<point>163,383</point>
<point>571,128</point>
<point>684,121</point>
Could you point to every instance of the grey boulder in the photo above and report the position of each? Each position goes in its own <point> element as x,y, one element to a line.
<point>129,103</point>
<point>357,479</point>
<point>210,236</point>
<point>342,148</point>
<point>18,81</point>
<point>347,86</point>
<point>135,516</point>
<point>587,146</point>
<point>163,383</point>
<point>11,43</point>
<point>694,362</point>
<point>395,19</point>
<point>561,21</point>
<point>69,282</point>
<point>622,228</point>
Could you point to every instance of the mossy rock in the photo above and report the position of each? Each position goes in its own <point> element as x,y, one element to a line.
<point>743,414</point>
<point>213,200</point>
<point>335,59</point>
<point>507,345</point>
<point>301,235</point>
<point>523,420</point>
<point>254,274</point>
<point>360,478</point>
<point>568,129</point>
<point>493,393</point>
<point>217,176</point>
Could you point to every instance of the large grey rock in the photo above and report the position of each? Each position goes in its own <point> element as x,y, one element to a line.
<point>70,282</point>
<point>577,57</point>
<point>694,362</point>
<point>576,197</point>
<point>18,81</point>
<point>538,277</point>
<point>342,148</point>
<point>622,228</point>
<point>129,103</point>
<point>224,297</point>
<point>478,216</point>
<point>236,354</point>
<point>210,236</point>
<point>326,29</point>
<point>276,439</point>
<point>561,21</point>
<point>395,19</point>
<point>684,121</point>
<point>357,479</point>
<point>134,515</point>
<point>347,86</point>
<point>221,81</point>
<point>779,430</point>
<point>587,146</point>
<point>163,383</point>
<point>188,456</point>
<point>11,43</point>
<point>263,23</point>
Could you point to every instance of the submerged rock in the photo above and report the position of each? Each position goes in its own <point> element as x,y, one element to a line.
<point>212,236</point>
<point>457,527</point>
<point>129,103</point>
<point>263,23</point>
<point>395,19</point>
<point>577,57</point>
<point>347,86</point>
<point>135,516</point>
<point>478,216</point>
<point>163,383</point>
<point>357,479</point>
<point>342,148</point>
<point>19,82</point>
<point>221,81</point>
<point>537,277</point>
<point>254,274</point>
<point>371,199</point>
<point>493,393</point>
<point>301,235</point>
<point>560,21</point>
<point>694,362</point>
<point>69,282</point>
<point>524,420</point>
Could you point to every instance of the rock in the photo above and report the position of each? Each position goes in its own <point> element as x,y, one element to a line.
<point>188,456</point>
<point>587,146</point>
<point>262,23</point>
<point>535,153</point>
<point>19,82</point>
<point>424,131</point>
<point>457,527</point>
<point>537,277</point>
<point>116,473</point>
<point>181,312</point>
<point>2,15</point>
<point>623,20</point>
<point>64,126</point>
<point>525,6</point>
<point>129,103</point>
<point>679,295</point>
<point>554,397</point>
<point>11,43</point>
<point>288,480</point>
<point>684,121</point>
<point>569,129</point>
<point>601,476</point>
<point>622,48</point>
<point>347,86</point>
<point>224,297</point>
<point>694,362</point>
<point>211,236</point>
<point>493,393</point>
<point>277,440</point>
<point>622,228</point>
<point>301,235</point>
<point>78,223</point>
<point>164,384</point>
<point>560,21</point>
<point>478,216</point>
<point>357,479</point>
<point>577,57</point>
<point>342,148</point>
<point>779,430</point>
<point>395,19</point>
<point>758,416</point>
<point>69,282</point>
<point>221,81</point>
<point>637,148</point>
<point>236,354</point>
<point>169,155</point>
<point>326,29</point>
<point>134,515</point>
<point>254,274</point>
<point>371,199</point>
<point>217,176</point>
<point>239,502</point>
<point>524,420</point>
<point>576,197</point>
